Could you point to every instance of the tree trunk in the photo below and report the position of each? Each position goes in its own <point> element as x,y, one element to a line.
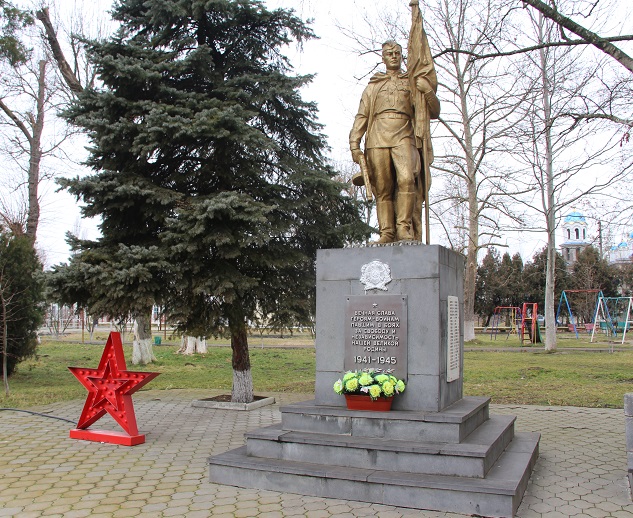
<point>65,69</point>
<point>550,206</point>
<point>35,159</point>
<point>5,345</point>
<point>142,352</point>
<point>470,275</point>
<point>242,378</point>
<point>93,326</point>
<point>192,345</point>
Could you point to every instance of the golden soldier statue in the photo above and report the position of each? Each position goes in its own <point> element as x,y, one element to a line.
<point>394,117</point>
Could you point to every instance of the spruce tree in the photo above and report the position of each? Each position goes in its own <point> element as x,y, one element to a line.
<point>204,148</point>
<point>12,21</point>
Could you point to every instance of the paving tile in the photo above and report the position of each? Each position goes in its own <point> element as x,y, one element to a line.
<point>581,471</point>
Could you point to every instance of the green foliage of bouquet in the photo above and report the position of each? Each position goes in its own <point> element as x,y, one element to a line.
<point>373,382</point>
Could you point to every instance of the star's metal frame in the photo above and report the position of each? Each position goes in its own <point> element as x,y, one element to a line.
<point>110,388</point>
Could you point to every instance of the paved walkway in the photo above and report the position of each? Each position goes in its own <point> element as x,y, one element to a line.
<point>581,471</point>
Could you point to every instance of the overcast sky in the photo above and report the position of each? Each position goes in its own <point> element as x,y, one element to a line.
<point>336,89</point>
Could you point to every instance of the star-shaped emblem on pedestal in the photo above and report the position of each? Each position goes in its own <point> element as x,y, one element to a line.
<point>110,388</point>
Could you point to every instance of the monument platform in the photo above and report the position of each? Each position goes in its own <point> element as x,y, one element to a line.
<point>393,459</point>
<point>399,308</point>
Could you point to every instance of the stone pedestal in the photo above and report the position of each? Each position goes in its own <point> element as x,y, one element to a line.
<point>426,276</point>
<point>394,307</point>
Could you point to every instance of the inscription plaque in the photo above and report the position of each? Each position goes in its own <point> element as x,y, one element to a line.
<point>453,356</point>
<point>376,333</point>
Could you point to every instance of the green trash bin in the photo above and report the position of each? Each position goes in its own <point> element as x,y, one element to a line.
<point>157,340</point>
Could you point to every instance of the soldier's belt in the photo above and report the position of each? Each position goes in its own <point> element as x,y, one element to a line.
<point>392,116</point>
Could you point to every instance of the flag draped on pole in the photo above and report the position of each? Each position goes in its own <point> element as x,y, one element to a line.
<point>420,65</point>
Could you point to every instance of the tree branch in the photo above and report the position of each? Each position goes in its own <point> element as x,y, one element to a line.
<point>16,120</point>
<point>590,37</point>
<point>567,43</point>
<point>67,72</point>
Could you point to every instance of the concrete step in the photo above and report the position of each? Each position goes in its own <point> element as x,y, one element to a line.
<point>453,424</point>
<point>498,494</point>
<point>471,458</point>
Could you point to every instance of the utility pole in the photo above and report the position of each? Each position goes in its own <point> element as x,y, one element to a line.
<point>600,237</point>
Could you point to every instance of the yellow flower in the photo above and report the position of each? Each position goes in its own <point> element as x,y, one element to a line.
<point>338,387</point>
<point>349,375</point>
<point>365,379</point>
<point>388,388</point>
<point>400,386</point>
<point>375,391</point>
<point>381,378</point>
<point>351,385</point>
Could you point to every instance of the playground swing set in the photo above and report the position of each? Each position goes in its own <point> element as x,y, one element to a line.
<point>573,320</point>
<point>612,315</point>
<point>523,321</point>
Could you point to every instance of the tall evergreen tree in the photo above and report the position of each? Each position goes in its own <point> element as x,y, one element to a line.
<point>487,296</point>
<point>591,272</point>
<point>21,308</point>
<point>534,278</point>
<point>203,148</point>
<point>12,21</point>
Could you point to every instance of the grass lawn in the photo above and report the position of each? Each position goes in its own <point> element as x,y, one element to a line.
<point>593,379</point>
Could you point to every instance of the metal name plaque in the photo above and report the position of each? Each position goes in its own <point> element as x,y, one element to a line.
<point>376,333</point>
<point>452,353</point>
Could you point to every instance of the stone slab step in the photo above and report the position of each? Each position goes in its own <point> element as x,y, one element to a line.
<point>471,458</point>
<point>453,424</point>
<point>498,494</point>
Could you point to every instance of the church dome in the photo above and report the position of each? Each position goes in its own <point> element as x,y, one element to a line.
<point>575,217</point>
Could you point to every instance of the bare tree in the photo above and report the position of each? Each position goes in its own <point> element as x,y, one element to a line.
<point>481,97</point>
<point>28,85</point>
<point>32,92</point>
<point>554,152</point>
<point>612,102</point>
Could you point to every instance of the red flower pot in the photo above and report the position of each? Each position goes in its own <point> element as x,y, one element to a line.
<point>364,402</point>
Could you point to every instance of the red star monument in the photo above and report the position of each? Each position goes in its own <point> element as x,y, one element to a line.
<point>110,388</point>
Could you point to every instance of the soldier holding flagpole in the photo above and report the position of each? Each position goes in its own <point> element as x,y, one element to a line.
<point>394,119</point>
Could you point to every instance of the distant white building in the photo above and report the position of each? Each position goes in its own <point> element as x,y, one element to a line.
<point>622,252</point>
<point>575,235</point>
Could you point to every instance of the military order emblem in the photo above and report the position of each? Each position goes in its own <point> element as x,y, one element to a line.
<point>375,275</point>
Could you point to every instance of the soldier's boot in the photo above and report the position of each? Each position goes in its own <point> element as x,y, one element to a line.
<point>386,222</point>
<point>405,203</point>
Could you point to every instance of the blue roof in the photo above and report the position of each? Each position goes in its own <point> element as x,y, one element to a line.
<point>575,217</point>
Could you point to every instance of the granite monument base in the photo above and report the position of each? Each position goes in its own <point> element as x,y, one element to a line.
<point>458,460</point>
<point>396,307</point>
